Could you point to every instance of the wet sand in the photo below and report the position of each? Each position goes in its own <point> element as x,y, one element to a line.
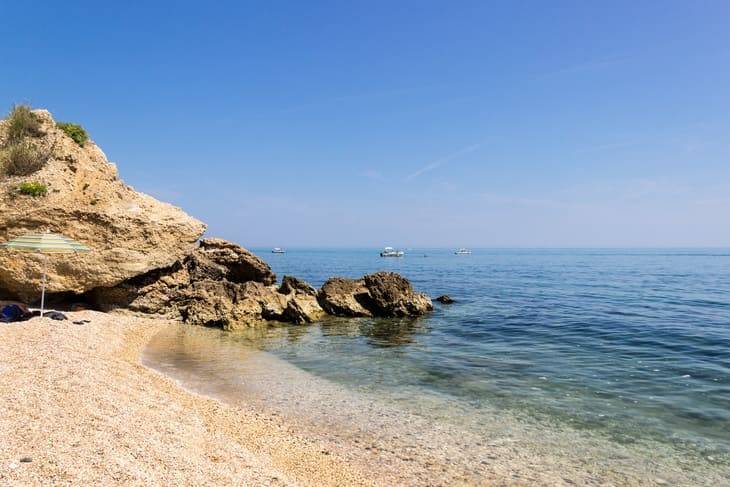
<point>77,403</point>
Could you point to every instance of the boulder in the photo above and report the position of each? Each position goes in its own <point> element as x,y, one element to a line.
<point>129,233</point>
<point>155,292</point>
<point>344,297</point>
<point>392,295</point>
<point>302,308</point>
<point>218,284</point>
<point>384,294</point>
<point>237,264</point>
<point>291,284</point>
<point>302,305</point>
<point>445,299</point>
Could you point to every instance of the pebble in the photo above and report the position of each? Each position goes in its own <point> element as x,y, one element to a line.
<point>26,460</point>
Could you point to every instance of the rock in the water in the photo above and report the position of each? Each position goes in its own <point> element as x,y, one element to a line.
<point>392,295</point>
<point>229,305</point>
<point>384,294</point>
<point>128,232</point>
<point>302,305</point>
<point>344,297</point>
<point>445,299</point>
<point>303,308</point>
<point>291,284</point>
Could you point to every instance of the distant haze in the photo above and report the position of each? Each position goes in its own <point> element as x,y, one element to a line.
<point>421,124</point>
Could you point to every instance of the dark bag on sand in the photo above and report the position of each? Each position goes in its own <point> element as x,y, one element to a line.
<point>55,315</point>
<point>11,313</point>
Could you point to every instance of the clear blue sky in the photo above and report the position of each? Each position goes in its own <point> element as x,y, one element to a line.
<point>403,123</point>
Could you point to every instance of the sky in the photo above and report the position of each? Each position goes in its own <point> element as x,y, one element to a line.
<point>403,123</point>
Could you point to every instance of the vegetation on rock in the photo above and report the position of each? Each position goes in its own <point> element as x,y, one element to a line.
<point>75,131</point>
<point>22,158</point>
<point>33,188</point>
<point>20,155</point>
<point>22,123</point>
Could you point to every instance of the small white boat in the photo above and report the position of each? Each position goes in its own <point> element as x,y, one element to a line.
<point>463,252</point>
<point>278,250</point>
<point>391,252</point>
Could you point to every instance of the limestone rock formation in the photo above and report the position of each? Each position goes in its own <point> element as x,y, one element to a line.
<point>302,305</point>
<point>147,256</point>
<point>237,264</point>
<point>385,294</point>
<point>344,297</point>
<point>291,284</point>
<point>392,295</point>
<point>230,305</point>
<point>129,233</point>
<point>219,284</point>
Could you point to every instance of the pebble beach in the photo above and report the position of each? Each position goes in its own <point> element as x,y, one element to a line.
<point>79,409</point>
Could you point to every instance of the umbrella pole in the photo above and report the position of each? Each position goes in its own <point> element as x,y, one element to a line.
<point>43,288</point>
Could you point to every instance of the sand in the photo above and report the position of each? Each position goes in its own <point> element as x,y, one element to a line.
<point>77,408</point>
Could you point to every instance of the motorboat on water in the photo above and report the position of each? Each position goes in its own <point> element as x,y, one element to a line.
<point>463,251</point>
<point>278,250</point>
<point>391,252</point>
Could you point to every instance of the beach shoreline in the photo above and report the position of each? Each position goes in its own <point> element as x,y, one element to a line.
<point>81,407</point>
<point>85,404</point>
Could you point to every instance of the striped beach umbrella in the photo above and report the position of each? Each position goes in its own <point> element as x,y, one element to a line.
<point>45,243</point>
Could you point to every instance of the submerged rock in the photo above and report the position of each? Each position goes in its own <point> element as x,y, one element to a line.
<point>445,299</point>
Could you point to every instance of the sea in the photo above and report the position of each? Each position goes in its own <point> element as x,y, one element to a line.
<point>552,366</point>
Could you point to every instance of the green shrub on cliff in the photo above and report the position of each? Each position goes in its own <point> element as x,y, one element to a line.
<point>21,123</point>
<point>75,131</point>
<point>22,158</point>
<point>34,189</point>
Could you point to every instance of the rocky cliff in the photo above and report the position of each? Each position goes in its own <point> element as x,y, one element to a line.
<point>148,257</point>
<point>130,233</point>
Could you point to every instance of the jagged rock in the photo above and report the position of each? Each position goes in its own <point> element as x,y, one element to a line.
<point>129,233</point>
<point>154,292</point>
<point>445,299</point>
<point>385,294</point>
<point>302,305</point>
<point>239,264</point>
<point>392,295</point>
<point>344,297</point>
<point>303,308</point>
<point>230,305</point>
<point>206,288</point>
<point>291,284</point>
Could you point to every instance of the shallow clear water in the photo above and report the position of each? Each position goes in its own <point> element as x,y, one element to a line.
<point>622,347</point>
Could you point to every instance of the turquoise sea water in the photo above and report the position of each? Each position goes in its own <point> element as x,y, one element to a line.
<point>629,346</point>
